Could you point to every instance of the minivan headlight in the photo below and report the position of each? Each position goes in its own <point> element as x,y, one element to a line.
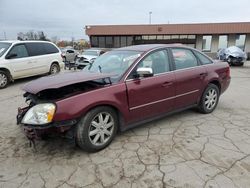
<point>40,114</point>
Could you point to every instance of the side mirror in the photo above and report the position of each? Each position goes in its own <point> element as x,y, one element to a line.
<point>11,56</point>
<point>144,72</point>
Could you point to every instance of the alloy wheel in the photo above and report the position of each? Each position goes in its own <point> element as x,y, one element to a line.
<point>211,99</point>
<point>3,80</point>
<point>101,129</point>
<point>54,69</point>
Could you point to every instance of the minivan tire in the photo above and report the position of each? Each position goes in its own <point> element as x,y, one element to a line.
<point>4,79</point>
<point>209,99</point>
<point>94,126</point>
<point>54,68</point>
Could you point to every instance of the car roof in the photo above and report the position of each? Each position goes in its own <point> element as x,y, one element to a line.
<point>148,47</point>
<point>24,41</point>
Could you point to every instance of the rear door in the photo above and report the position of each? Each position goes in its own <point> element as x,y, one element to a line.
<point>153,95</point>
<point>189,76</point>
<point>19,60</point>
<point>40,62</point>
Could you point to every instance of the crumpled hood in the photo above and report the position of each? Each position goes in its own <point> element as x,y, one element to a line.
<point>61,80</point>
<point>235,52</point>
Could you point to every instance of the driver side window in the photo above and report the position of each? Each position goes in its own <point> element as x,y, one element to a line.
<point>19,50</point>
<point>158,61</point>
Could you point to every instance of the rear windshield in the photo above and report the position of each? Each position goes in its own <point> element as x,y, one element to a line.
<point>4,46</point>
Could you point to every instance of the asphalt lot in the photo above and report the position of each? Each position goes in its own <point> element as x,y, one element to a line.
<point>188,149</point>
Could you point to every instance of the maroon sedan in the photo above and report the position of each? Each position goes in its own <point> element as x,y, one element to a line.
<point>121,89</point>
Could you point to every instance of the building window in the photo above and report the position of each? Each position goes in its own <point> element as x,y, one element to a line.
<point>191,37</point>
<point>117,42</point>
<point>144,37</point>
<point>138,37</point>
<point>183,36</point>
<point>123,41</point>
<point>159,37</point>
<point>175,36</point>
<point>109,42</point>
<point>223,41</point>
<point>240,41</point>
<point>94,41</point>
<point>206,43</point>
<point>167,37</point>
<point>129,40</point>
<point>152,37</point>
<point>102,42</point>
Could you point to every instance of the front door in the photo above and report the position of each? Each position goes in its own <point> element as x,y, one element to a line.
<point>151,96</point>
<point>19,61</point>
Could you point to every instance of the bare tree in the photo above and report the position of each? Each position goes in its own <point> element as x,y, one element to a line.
<point>32,35</point>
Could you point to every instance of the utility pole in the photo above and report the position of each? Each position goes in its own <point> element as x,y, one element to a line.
<point>150,13</point>
<point>4,33</point>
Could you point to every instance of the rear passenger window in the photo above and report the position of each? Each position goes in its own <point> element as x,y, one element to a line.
<point>35,49</point>
<point>184,58</point>
<point>203,59</point>
<point>50,48</point>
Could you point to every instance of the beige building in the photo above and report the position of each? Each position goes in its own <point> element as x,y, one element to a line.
<point>207,37</point>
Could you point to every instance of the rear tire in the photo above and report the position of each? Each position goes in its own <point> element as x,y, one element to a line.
<point>54,68</point>
<point>210,99</point>
<point>97,129</point>
<point>4,79</point>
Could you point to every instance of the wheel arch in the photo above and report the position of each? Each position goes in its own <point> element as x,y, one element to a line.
<point>217,83</point>
<point>54,62</point>
<point>8,71</point>
<point>119,113</point>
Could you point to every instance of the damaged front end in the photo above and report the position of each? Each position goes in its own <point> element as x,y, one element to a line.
<point>37,120</point>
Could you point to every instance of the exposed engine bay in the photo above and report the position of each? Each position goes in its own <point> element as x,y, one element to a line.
<point>62,92</point>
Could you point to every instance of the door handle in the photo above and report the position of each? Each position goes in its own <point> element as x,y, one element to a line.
<point>30,62</point>
<point>203,74</point>
<point>167,84</point>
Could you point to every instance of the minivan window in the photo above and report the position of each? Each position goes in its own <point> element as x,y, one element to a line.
<point>50,48</point>
<point>4,46</point>
<point>35,48</point>
<point>19,50</point>
<point>184,58</point>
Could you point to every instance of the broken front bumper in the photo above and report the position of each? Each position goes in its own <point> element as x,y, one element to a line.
<point>38,131</point>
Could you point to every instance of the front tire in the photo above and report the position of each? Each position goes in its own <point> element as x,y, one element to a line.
<point>96,129</point>
<point>209,99</point>
<point>54,68</point>
<point>4,79</point>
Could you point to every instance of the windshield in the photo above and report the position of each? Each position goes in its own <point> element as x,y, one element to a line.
<point>116,62</point>
<point>90,52</point>
<point>4,46</point>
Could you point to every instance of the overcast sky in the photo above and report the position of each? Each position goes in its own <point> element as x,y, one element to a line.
<point>67,18</point>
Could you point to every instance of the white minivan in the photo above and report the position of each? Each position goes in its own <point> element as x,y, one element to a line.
<point>19,59</point>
